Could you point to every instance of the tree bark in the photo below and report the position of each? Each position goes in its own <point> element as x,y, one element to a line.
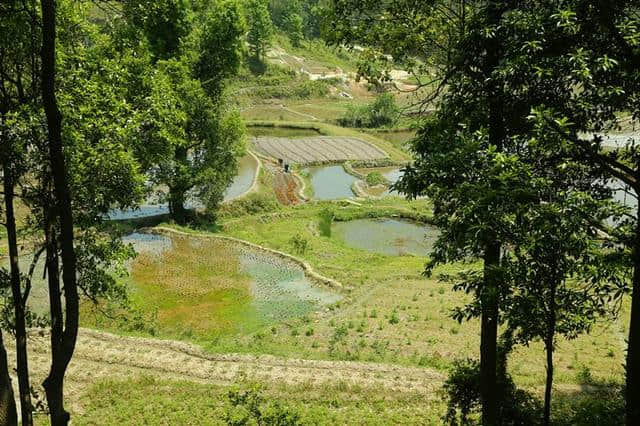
<point>18,302</point>
<point>489,338</point>
<point>8,414</point>
<point>180,186</point>
<point>633,350</point>
<point>489,392</point>
<point>63,339</point>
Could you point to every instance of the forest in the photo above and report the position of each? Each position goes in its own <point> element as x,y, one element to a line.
<point>292,212</point>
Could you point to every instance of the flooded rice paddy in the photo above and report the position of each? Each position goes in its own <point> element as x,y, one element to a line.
<point>247,169</point>
<point>392,237</point>
<point>331,182</point>
<point>215,286</point>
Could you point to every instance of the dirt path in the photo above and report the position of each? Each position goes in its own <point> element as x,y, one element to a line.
<point>100,356</point>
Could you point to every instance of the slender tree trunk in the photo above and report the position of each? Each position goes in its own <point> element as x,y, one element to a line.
<point>18,302</point>
<point>62,342</point>
<point>633,350</point>
<point>8,414</point>
<point>548,345</point>
<point>180,186</point>
<point>489,338</point>
<point>489,394</point>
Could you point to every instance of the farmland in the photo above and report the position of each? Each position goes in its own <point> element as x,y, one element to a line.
<point>235,227</point>
<point>310,150</point>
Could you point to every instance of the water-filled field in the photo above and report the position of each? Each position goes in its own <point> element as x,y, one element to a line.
<point>247,169</point>
<point>387,236</point>
<point>209,287</point>
<point>331,182</point>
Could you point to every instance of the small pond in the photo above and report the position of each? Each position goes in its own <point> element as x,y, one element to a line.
<point>392,237</point>
<point>331,182</point>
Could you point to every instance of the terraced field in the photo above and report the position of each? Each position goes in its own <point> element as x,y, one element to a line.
<point>317,149</point>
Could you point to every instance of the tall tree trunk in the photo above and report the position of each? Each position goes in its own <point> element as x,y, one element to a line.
<point>633,350</point>
<point>489,338</point>
<point>8,414</point>
<point>489,394</point>
<point>63,339</point>
<point>18,301</point>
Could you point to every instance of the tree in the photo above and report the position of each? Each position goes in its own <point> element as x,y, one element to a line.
<point>260,28</point>
<point>164,23</point>
<point>593,46</point>
<point>187,140</point>
<point>559,278</point>
<point>63,336</point>
<point>204,144</point>
<point>20,90</point>
<point>460,161</point>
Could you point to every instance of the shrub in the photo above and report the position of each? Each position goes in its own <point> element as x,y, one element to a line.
<point>326,220</point>
<point>249,205</point>
<point>375,178</point>
<point>382,112</point>
<point>248,407</point>
<point>300,244</point>
<point>462,390</point>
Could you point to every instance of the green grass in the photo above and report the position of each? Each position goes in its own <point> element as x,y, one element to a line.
<point>151,401</point>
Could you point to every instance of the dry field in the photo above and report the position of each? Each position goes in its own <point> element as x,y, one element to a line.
<point>317,149</point>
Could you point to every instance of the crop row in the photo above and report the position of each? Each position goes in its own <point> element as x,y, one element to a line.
<point>317,149</point>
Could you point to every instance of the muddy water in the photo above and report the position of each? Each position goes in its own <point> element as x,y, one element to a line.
<point>331,182</point>
<point>387,236</point>
<point>247,169</point>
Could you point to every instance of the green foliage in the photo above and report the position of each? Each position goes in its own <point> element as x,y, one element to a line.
<point>326,217</point>
<point>375,178</point>
<point>164,23</point>
<point>462,390</point>
<point>299,244</point>
<point>250,205</point>
<point>220,45</point>
<point>383,112</point>
<point>248,407</point>
<point>260,28</point>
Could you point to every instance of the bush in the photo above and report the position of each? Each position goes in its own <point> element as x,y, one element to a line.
<point>605,407</point>
<point>462,390</point>
<point>300,244</point>
<point>382,112</point>
<point>251,204</point>
<point>326,220</point>
<point>375,178</point>
<point>248,407</point>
